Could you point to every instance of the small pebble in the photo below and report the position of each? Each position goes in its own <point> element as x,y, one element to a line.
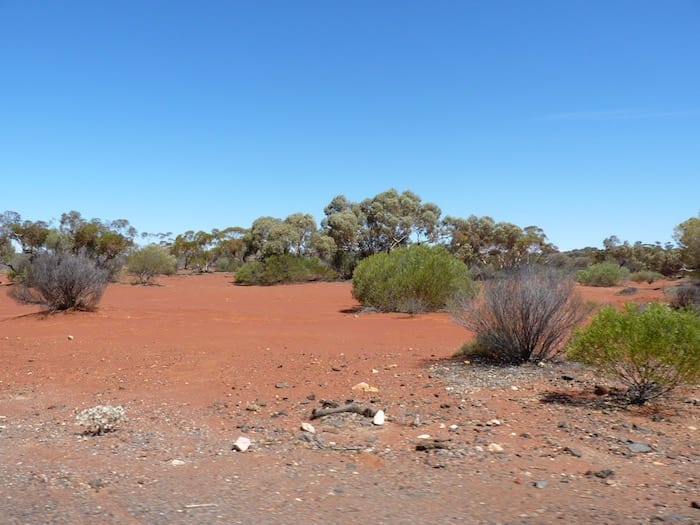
<point>378,418</point>
<point>242,444</point>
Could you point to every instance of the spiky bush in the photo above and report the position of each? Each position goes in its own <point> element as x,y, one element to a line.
<point>62,282</point>
<point>525,314</point>
<point>686,295</point>
<point>651,349</point>
<point>412,279</point>
<point>602,274</point>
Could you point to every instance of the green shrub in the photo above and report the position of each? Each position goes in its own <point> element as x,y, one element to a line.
<point>651,349</point>
<point>647,276</point>
<point>411,279</point>
<point>149,261</point>
<point>227,264</point>
<point>286,268</point>
<point>602,274</point>
<point>525,314</point>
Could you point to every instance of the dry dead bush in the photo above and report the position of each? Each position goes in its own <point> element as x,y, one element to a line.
<point>526,314</point>
<point>62,282</point>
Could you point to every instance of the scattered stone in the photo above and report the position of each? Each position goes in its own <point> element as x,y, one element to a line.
<point>330,407</point>
<point>378,418</point>
<point>177,462</point>
<point>454,428</point>
<point>432,444</point>
<point>636,447</point>
<point>364,387</point>
<point>602,474</point>
<point>281,384</point>
<point>695,504</point>
<point>493,423</point>
<point>567,377</point>
<point>540,484</point>
<point>242,444</point>
<point>308,427</point>
<point>574,452</point>
<point>96,484</point>
<point>424,436</point>
<point>416,421</point>
<point>70,338</point>
<point>601,390</point>
<point>495,448</point>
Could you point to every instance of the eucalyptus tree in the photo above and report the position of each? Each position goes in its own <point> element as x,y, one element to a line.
<point>106,242</point>
<point>687,234</point>
<point>481,241</point>
<point>378,224</point>
<point>29,236</point>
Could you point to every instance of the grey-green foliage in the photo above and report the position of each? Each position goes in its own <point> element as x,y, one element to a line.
<point>602,274</point>
<point>269,236</point>
<point>105,242</point>
<point>651,349</point>
<point>380,223</point>
<point>483,242</point>
<point>411,279</point>
<point>151,260</point>
<point>101,419</point>
<point>647,276</point>
<point>283,268</point>
<point>687,234</point>
<point>62,282</point>
<point>524,314</point>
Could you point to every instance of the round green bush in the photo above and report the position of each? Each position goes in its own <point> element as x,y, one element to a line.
<point>602,274</point>
<point>149,261</point>
<point>411,279</point>
<point>285,268</point>
<point>649,348</point>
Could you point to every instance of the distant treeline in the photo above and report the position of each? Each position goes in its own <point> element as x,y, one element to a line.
<point>349,232</point>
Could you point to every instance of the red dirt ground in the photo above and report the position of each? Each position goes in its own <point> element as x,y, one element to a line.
<point>197,362</point>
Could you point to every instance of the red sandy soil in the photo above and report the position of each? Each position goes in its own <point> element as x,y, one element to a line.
<point>197,362</point>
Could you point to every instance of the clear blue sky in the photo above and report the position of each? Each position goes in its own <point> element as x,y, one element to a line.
<point>580,117</point>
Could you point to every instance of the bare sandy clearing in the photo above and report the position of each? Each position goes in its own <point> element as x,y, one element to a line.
<point>198,362</point>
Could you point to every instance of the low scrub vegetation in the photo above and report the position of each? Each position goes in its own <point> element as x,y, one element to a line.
<point>651,349</point>
<point>525,314</point>
<point>149,261</point>
<point>101,419</point>
<point>62,282</point>
<point>285,268</point>
<point>685,295</point>
<point>412,280</point>
<point>602,274</point>
<point>645,276</point>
